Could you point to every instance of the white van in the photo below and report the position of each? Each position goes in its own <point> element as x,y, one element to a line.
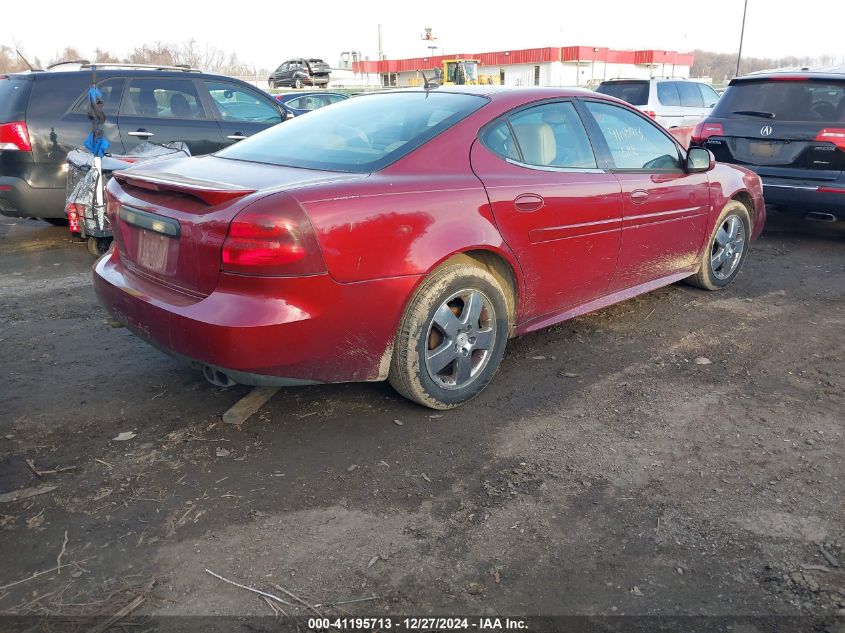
<point>671,102</point>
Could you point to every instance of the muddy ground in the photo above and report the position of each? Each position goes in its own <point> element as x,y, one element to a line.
<point>605,471</point>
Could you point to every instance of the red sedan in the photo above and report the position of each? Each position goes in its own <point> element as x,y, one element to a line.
<point>407,235</point>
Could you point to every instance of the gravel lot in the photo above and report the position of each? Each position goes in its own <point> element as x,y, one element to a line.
<point>680,453</point>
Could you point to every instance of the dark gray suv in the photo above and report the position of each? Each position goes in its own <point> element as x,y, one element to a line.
<point>789,127</point>
<point>43,116</point>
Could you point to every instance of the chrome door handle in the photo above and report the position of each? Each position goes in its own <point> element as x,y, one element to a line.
<point>638,196</point>
<point>528,202</point>
<point>236,137</point>
<point>141,133</point>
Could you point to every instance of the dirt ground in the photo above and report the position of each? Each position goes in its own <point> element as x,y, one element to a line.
<point>679,453</point>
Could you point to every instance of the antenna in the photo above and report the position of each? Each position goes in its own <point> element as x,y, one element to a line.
<point>428,84</point>
<point>25,60</point>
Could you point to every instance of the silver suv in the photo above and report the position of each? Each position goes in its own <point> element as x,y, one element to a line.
<point>672,102</point>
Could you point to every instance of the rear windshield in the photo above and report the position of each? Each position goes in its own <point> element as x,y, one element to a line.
<point>785,100</point>
<point>634,92</point>
<point>357,135</point>
<point>14,93</point>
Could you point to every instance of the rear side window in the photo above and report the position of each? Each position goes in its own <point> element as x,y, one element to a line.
<point>801,101</point>
<point>163,98</point>
<point>14,94</point>
<point>634,142</point>
<point>112,90</point>
<point>548,135</point>
<point>634,92</point>
<point>54,95</point>
<point>690,94</point>
<point>667,94</point>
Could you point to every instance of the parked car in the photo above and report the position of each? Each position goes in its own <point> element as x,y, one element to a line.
<point>670,102</point>
<point>297,103</point>
<point>43,116</point>
<point>300,72</point>
<point>789,127</point>
<point>406,235</point>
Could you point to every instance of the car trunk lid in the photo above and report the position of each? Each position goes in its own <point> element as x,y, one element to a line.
<point>170,220</point>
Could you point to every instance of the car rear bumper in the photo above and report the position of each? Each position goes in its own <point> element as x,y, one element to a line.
<point>18,199</point>
<point>806,195</point>
<point>270,330</point>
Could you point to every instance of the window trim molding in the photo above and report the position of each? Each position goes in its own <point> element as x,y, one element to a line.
<point>598,169</point>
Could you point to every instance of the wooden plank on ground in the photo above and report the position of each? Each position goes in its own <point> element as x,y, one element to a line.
<point>248,405</point>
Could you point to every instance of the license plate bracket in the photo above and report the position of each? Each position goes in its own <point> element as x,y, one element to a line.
<point>153,251</point>
<point>763,149</point>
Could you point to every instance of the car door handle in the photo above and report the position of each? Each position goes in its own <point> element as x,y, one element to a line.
<point>236,137</point>
<point>528,202</point>
<point>638,196</point>
<point>142,133</point>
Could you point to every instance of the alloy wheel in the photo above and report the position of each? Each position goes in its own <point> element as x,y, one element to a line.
<point>460,339</point>
<point>728,247</point>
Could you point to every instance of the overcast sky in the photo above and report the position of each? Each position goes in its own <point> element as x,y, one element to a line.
<point>261,34</point>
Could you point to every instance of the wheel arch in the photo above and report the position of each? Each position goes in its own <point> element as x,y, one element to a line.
<point>502,265</point>
<point>746,200</point>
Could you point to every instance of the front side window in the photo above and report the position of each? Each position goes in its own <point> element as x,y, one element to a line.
<point>548,135</point>
<point>709,95</point>
<point>634,142</point>
<point>690,94</point>
<point>163,98</point>
<point>310,102</point>
<point>357,135</point>
<point>235,103</point>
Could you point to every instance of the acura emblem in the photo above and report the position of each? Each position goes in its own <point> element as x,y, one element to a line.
<point>766,130</point>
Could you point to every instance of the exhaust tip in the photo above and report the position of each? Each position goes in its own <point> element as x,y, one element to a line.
<point>217,377</point>
<point>818,216</point>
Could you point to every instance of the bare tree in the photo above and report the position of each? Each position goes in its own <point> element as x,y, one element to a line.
<point>69,54</point>
<point>105,57</point>
<point>159,53</point>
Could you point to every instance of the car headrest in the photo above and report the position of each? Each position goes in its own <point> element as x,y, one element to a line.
<point>537,141</point>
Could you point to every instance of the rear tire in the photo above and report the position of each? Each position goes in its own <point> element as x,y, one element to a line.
<point>297,83</point>
<point>451,338</point>
<point>98,246</point>
<point>726,250</point>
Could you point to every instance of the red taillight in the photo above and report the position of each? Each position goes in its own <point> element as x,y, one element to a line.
<point>74,213</point>
<point>14,136</point>
<point>651,114</point>
<point>833,135</point>
<point>704,130</point>
<point>272,237</point>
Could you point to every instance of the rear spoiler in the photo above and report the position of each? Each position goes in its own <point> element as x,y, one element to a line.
<point>208,191</point>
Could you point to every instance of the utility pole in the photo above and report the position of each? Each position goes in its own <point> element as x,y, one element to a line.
<point>741,37</point>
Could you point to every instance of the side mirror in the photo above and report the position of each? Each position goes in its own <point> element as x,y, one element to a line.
<point>289,115</point>
<point>699,160</point>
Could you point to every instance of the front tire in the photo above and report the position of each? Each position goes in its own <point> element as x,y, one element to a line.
<point>451,338</point>
<point>726,250</point>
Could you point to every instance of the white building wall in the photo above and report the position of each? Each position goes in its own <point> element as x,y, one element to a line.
<point>560,74</point>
